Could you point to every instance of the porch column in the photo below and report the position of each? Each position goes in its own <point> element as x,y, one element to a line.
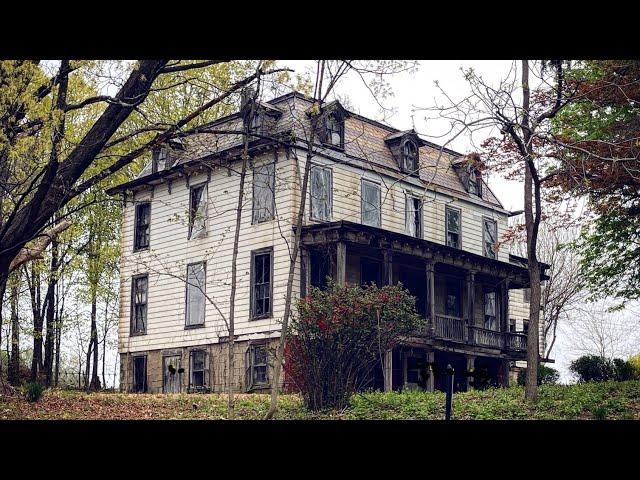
<point>471,360</point>
<point>388,370</point>
<point>430,296</point>
<point>471,301</point>
<point>430,381</point>
<point>341,263</point>
<point>504,305</point>
<point>305,272</point>
<point>387,279</point>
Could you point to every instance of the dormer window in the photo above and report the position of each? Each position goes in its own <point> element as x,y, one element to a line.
<point>334,131</point>
<point>255,126</point>
<point>474,188</point>
<point>159,158</point>
<point>410,155</point>
<point>469,169</point>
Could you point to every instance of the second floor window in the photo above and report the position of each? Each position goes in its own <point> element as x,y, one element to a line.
<point>198,211</point>
<point>261,293</point>
<point>139,299</point>
<point>264,180</point>
<point>142,226</point>
<point>321,182</point>
<point>489,237</point>
<point>490,315</point>
<point>413,216</point>
<point>195,294</point>
<point>453,227</point>
<point>371,203</point>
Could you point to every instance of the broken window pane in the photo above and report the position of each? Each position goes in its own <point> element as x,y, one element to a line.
<point>321,193</point>
<point>410,156</point>
<point>142,227</point>
<point>195,294</point>
<point>489,238</point>
<point>334,131</point>
<point>139,311</point>
<point>453,227</point>
<point>198,367</point>
<point>370,204</point>
<point>198,211</point>
<point>259,365</point>
<point>263,193</point>
<point>413,216</point>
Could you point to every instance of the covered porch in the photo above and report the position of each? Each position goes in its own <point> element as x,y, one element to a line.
<point>463,296</point>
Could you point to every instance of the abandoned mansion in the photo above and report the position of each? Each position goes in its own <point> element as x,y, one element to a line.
<point>383,206</point>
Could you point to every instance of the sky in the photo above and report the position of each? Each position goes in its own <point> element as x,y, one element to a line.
<point>415,91</point>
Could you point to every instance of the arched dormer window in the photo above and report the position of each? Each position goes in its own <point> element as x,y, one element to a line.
<point>409,155</point>
<point>334,131</point>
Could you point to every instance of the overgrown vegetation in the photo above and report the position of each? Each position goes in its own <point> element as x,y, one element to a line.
<point>546,376</point>
<point>606,400</point>
<point>595,368</point>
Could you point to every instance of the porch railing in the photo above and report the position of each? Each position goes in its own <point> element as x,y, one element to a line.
<point>516,341</point>
<point>486,337</point>
<point>450,328</point>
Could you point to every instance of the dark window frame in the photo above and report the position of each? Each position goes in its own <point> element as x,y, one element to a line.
<point>145,386</point>
<point>311,216</point>
<point>192,211</point>
<point>405,159</point>
<point>132,331</point>
<point>327,132</point>
<point>186,297</point>
<point>205,371</point>
<point>484,237</point>
<point>362,201</point>
<point>254,254</point>
<point>254,221</point>
<point>251,367</point>
<point>449,280</point>
<point>496,307</point>
<point>446,226</point>
<point>420,229</point>
<point>155,158</point>
<point>136,220</point>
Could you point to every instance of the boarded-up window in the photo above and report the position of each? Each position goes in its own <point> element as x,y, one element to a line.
<point>489,237</point>
<point>490,315</point>
<point>142,226</point>
<point>172,378</point>
<point>197,370</point>
<point>453,227</point>
<point>264,180</point>
<point>195,309</point>
<point>139,374</point>
<point>371,203</point>
<point>139,299</point>
<point>257,366</point>
<point>413,216</point>
<point>321,193</point>
<point>198,211</point>
<point>261,293</point>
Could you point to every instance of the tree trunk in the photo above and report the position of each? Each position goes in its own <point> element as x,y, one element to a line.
<point>94,383</point>
<point>34,291</point>
<point>14,360</point>
<point>50,315</point>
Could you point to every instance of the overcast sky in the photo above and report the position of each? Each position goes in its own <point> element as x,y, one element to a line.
<point>418,90</point>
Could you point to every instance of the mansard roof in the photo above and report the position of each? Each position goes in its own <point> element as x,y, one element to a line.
<point>365,139</point>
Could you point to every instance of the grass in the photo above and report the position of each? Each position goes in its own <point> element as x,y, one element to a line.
<point>610,400</point>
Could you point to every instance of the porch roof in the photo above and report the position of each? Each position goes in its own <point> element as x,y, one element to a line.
<point>356,233</point>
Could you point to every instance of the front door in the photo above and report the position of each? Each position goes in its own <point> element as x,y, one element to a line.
<point>171,375</point>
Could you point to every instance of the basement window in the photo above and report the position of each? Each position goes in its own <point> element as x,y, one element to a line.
<point>198,371</point>
<point>139,299</point>
<point>257,366</point>
<point>139,374</point>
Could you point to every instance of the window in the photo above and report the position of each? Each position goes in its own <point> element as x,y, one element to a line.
<point>526,295</point>
<point>525,326</point>
<point>261,266</point>
<point>453,299</point>
<point>320,263</point>
<point>321,193</point>
<point>264,179</point>
<point>413,216</point>
<point>473,182</point>
<point>142,226</point>
<point>198,211</point>
<point>370,271</point>
<point>334,131</point>
<point>257,366</point>
<point>453,227</point>
<point>371,203</point>
<point>410,156</point>
<point>489,235</point>
<point>255,126</point>
<point>512,325</point>
<point>197,370</point>
<point>196,280</point>
<point>140,374</point>
<point>139,298</point>
<point>490,316</point>
<point>159,159</point>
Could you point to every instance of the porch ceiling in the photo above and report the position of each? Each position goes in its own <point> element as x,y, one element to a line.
<point>378,238</point>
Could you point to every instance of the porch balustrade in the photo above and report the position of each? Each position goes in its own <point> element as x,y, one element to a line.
<point>457,329</point>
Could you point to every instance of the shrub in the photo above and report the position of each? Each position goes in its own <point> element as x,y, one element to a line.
<point>33,391</point>
<point>546,376</point>
<point>593,368</point>
<point>623,370</point>
<point>634,361</point>
<point>338,336</point>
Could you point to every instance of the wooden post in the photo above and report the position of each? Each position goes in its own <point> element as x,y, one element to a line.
<point>305,272</point>
<point>430,296</point>
<point>471,360</point>
<point>388,370</point>
<point>505,305</point>
<point>430,381</point>
<point>341,263</point>
<point>471,302</point>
